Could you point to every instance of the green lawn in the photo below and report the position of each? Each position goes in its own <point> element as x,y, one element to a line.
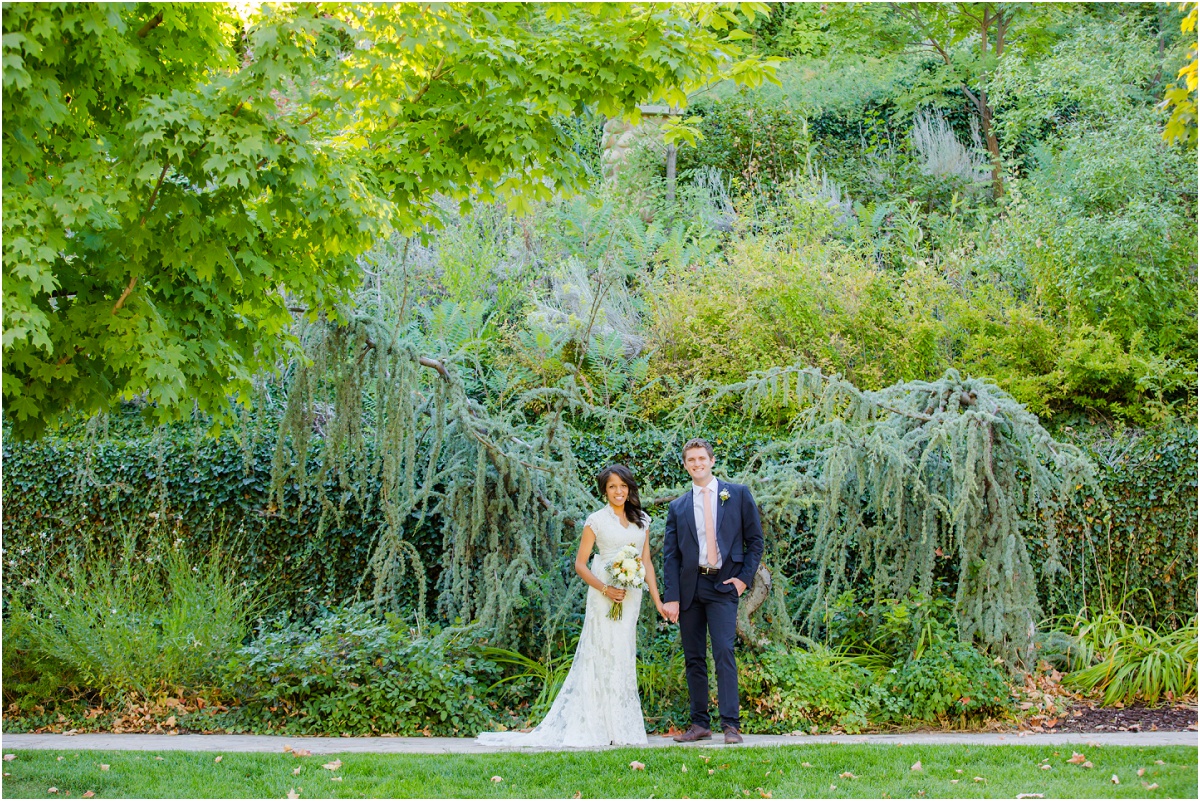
<point>793,771</point>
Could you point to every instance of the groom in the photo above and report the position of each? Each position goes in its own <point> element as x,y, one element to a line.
<point>711,552</point>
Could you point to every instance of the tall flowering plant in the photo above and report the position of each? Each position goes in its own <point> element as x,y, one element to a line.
<point>625,570</point>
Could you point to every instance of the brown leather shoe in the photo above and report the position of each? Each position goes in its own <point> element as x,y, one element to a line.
<point>732,737</point>
<point>693,734</point>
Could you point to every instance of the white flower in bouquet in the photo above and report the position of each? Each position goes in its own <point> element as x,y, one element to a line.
<point>625,570</point>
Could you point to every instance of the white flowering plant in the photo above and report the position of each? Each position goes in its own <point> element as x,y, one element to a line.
<point>625,570</point>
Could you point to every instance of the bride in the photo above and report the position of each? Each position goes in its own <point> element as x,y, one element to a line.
<point>598,703</point>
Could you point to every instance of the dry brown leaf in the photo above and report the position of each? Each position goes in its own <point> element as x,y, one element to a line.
<point>169,721</point>
<point>1141,772</point>
<point>104,767</point>
<point>53,791</point>
<point>1114,779</point>
<point>847,775</point>
<point>954,781</point>
<point>683,768</point>
<point>1046,767</point>
<point>302,752</point>
<point>88,794</point>
<point>60,759</point>
<point>577,794</point>
<point>1152,786</point>
<point>9,757</point>
<point>158,758</point>
<point>635,765</point>
<point>1077,758</point>
<point>296,772</point>
<point>806,764</point>
<point>763,793</point>
<point>334,765</point>
<point>1159,762</point>
<point>711,771</point>
<point>218,759</point>
<point>287,749</point>
<point>980,779</point>
<point>916,765</point>
<point>293,794</point>
<point>832,787</point>
<point>958,770</point>
<point>1030,795</point>
<point>335,778</point>
<point>497,779</point>
<point>1088,765</point>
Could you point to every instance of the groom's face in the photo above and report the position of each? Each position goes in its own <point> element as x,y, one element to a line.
<point>699,465</point>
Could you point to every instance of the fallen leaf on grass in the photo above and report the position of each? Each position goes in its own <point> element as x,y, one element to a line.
<point>1088,765</point>
<point>88,794</point>
<point>577,794</point>
<point>832,787</point>
<point>916,765</point>
<point>1159,762</point>
<point>104,767</point>
<point>287,749</point>
<point>763,793</point>
<point>711,771</point>
<point>160,759</point>
<point>334,765</point>
<point>1114,779</point>
<point>1076,758</point>
<point>1141,772</point>
<point>1046,767</point>
<point>53,791</point>
<point>1151,786</point>
<point>954,781</point>
<point>806,764</point>
<point>218,759</point>
<point>296,772</point>
<point>683,768</point>
<point>497,779</point>
<point>1030,795</point>
<point>9,757</point>
<point>60,759</point>
<point>847,775</point>
<point>980,779</point>
<point>335,778</point>
<point>958,770</point>
<point>302,752</point>
<point>635,765</point>
<point>292,793</point>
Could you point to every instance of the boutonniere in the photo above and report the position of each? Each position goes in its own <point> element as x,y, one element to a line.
<point>723,495</point>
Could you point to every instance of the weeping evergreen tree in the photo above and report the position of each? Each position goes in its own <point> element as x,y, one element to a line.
<point>895,480</point>
<point>400,429</point>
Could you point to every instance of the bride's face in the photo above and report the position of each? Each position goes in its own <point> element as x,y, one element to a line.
<point>616,490</point>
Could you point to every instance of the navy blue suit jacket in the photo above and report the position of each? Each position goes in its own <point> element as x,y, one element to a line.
<point>739,538</point>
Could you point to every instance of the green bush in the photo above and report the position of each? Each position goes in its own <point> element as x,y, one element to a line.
<point>1111,653</point>
<point>348,671</point>
<point>151,623</point>
<point>947,679</point>
<point>818,686</point>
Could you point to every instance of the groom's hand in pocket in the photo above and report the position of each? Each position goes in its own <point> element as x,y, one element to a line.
<point>670,611</point>
<point>737,583</point>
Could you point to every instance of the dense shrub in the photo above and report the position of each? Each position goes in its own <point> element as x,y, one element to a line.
<point>152,622</point>
<point>347,671</point>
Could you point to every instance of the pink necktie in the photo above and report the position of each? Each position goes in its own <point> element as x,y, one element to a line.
<point>710,529</point>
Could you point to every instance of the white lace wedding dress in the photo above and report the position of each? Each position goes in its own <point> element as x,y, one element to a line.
<point>598,703</point>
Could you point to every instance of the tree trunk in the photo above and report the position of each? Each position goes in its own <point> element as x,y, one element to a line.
<point>670,173</point>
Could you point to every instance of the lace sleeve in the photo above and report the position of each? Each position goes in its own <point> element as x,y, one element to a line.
<point>592,521</point>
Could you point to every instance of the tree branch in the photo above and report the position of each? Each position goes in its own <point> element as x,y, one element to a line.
<point>150,25</point>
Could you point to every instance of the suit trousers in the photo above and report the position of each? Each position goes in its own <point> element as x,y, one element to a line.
<point>711,616</point>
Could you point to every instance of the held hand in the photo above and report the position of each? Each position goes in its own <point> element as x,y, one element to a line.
<point>737,583</point>
<point>670,611</point>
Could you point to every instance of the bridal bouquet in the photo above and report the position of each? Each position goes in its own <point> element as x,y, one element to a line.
<point>625,570</point>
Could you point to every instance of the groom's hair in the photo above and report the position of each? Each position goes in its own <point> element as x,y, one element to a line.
<point>696,442</point>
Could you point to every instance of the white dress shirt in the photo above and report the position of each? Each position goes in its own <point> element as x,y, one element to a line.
<point>698,511</point>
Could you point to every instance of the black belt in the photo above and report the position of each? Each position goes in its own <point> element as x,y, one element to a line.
<point>709,571</point>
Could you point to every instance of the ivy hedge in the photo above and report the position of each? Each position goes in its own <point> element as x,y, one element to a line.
<point>61,495</point>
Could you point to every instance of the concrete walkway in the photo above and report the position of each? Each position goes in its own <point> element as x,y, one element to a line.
<point>234,743</point>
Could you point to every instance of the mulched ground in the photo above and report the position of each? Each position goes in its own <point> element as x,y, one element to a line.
<point>1133,718</point>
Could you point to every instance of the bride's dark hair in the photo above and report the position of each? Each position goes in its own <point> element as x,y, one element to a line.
<point>633,504</point>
